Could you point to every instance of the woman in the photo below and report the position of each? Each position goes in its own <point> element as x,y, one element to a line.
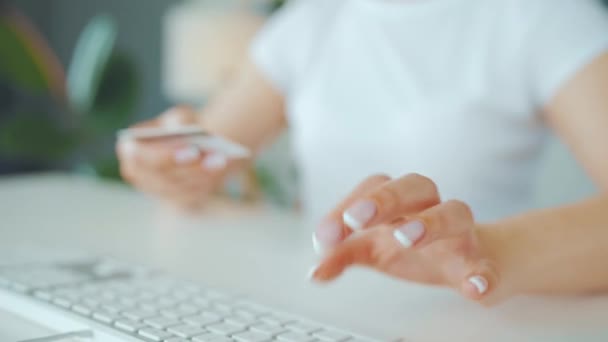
<point>461,91</point>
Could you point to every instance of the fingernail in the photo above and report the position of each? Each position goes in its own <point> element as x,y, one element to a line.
<point>128,147</point>
<point>357,216</point>
<point>327,235</point>
<point>311,273</point>
<point>186,155</point>
<point>172,120</point>
<point>316,245</point>
<point>409,233</point>
<point>215,162</point>
<point>480,283</point>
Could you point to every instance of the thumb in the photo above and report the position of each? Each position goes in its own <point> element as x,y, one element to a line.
<point>179,116</point>
<point>480,282</point>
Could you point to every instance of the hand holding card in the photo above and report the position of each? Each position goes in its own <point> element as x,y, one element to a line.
<point>180,163</point>
<point>191,134</point>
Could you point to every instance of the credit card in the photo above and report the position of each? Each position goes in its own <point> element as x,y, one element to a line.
<point>194,135</point>
<point>160,133</point>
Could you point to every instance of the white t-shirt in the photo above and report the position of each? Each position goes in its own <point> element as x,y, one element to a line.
<point>451,89</point>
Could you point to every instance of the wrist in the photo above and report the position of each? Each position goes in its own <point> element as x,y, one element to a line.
<point>498,245</point>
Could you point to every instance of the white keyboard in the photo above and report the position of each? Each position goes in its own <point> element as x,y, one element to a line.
<point>131,303</point>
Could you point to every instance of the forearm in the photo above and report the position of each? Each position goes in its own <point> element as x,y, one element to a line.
<point>249,111</point>
<point>556,251</point>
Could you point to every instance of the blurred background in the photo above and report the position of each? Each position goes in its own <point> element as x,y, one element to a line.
<point>73,72</point>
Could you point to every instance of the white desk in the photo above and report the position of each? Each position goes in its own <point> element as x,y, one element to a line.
<point>266,254</point>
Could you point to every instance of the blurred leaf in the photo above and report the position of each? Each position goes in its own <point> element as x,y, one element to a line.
<point>117,96</point>
<point>276,4</point>
<point>270,186</point>
<point>108,169</point>
<point>35,138</point>
<point>18,63</point>
<point>89,62</point>
<point>7,98</point>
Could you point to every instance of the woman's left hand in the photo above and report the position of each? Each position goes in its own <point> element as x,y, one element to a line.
<point>401,227</point>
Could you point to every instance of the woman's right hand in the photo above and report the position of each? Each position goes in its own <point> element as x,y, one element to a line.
<point>172,170</point>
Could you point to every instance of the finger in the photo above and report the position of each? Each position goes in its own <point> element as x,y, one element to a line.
<point>400,197</point>
<point>480,282</point>
<point>357,251</point>
<point>178,116</point>
<point>376,248</point>
<point>160,156</point>
<point>446,220</point>
<point>332,230</point>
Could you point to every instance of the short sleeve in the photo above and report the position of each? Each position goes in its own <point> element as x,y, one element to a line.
<point>278,48</point>
<point>569,35</point>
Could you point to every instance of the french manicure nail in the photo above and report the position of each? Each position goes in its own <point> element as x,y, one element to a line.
<point>311,273</point>
<point>327,235</point>
<point>480,283</point>
<point>409,233</point>
<point>128,147</point>
<point>358,215</point>
<point>186,155</point>
<point>316,245</point>
<point>215,162</point>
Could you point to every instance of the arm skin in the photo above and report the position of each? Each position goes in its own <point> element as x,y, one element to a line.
<point>250,111</point>
<point>556,251</point>
<point>564,250</point>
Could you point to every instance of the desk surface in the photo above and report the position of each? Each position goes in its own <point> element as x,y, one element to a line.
<point>265,253</point>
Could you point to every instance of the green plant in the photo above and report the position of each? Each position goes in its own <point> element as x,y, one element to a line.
<point>276,4</point>
<point>63,120</point>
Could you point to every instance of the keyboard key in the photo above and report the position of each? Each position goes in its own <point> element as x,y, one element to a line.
<point>64,303</point>
<point>105,317</point>
<point>225,328</point>
<point>139,315</point>
<point>247,313</point>
<point>237,320</point>
<point>115,306</point>
<point>222,306</point>
<point>82,309</point>
<point>181,294</point>
<point>161,322</point>
<point>275,320</point>
<point>177,339</point>
<point>302,327</point>
<point>165,302</point>
<point>179,312</point>
<point>186,330</point>
<point>295,337</point>
<point>251,336</point>
<point>20,287</point>
<point>129,325</point>
<point>155,334</point>
<point>43,295</point>
<point>202,320</point>
<point>91,302</point>
<point>201,301</point>
<point>215,295</point>
<point>269,329</point>
<point>210,337</point>
<point>331,335</point>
